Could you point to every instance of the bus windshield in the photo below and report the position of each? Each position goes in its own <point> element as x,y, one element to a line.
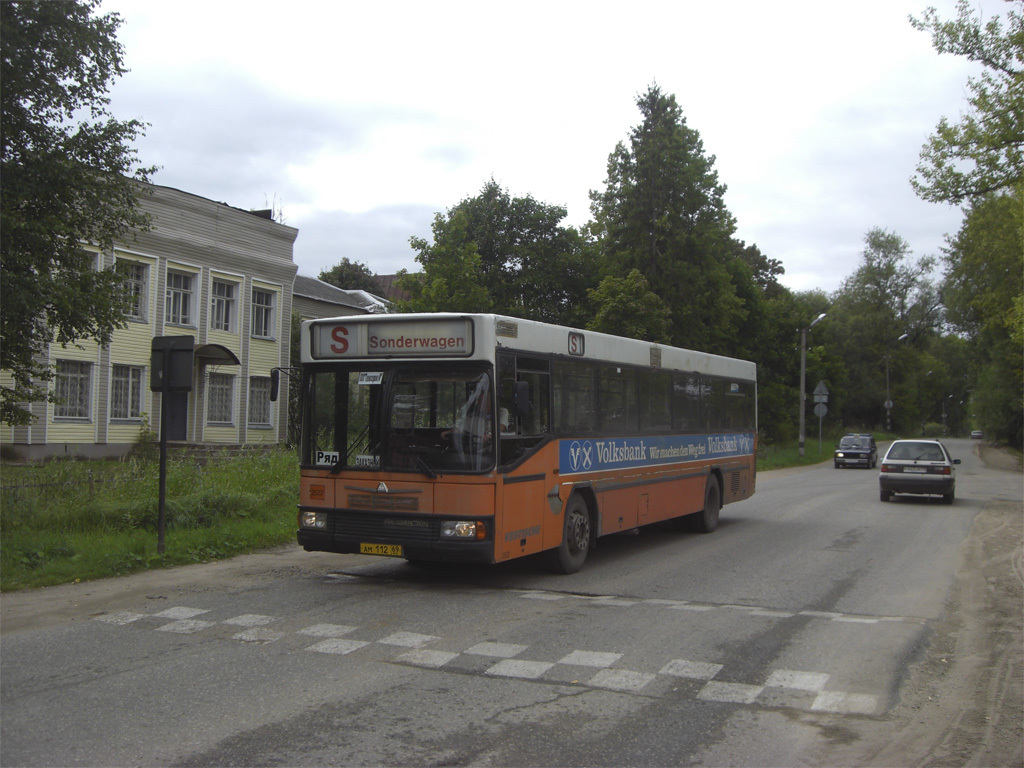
<point>416,419</point>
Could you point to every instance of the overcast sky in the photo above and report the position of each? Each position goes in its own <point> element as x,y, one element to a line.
<point>360,121</point>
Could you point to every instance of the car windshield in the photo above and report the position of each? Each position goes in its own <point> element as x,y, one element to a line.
<point>853,442</point>
<point>916,452</point>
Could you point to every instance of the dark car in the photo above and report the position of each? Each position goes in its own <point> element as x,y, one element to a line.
<point>856,451</point>
<point>918,467</point>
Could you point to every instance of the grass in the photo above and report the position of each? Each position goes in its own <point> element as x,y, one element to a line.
<point>68,521</point>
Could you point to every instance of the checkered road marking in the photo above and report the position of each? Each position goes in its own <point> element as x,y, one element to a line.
<point>595,669</point>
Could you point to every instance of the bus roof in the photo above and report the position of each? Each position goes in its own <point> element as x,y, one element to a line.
<point>462,336</point>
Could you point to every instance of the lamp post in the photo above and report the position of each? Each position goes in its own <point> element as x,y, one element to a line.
<point>803,374</point>
<point>888,397</point>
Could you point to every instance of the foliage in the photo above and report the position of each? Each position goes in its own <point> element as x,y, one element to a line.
<point>983,292</point>
<point>528,265</point>
<point>984,152</point>
<point>64,184</point>
<point>452,276</point>
<point>351,276</point>
<point>662,212</point>
<point>880,319</point>
<point>103,520</point>
<point>626,306</point>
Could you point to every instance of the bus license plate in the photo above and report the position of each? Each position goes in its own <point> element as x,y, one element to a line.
<point>386,550</point>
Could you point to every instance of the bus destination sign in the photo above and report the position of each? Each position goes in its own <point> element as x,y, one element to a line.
<point>416,338</point>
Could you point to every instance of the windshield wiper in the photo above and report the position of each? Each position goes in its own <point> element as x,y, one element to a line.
<point>427,469</point>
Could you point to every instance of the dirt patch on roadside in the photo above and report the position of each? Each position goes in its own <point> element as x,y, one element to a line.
<point>963,704</point>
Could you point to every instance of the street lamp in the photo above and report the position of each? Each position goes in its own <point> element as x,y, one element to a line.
<point>803,374</point>
<point>888,397</point>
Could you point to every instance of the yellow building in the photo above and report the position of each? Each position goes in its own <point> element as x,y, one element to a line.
<point>204,269</point>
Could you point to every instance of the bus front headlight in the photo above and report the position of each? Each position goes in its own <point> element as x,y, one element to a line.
<point>464,529</point>
<point>309,519</point>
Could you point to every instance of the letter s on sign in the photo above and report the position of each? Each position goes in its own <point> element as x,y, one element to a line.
<point>338,333</point>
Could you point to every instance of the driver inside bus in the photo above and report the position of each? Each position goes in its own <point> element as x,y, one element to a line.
<point>474,429</point>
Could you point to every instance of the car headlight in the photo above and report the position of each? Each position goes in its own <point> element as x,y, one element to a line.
<point>839,455</point>
<point>464,529</point>
<point>308,519</point>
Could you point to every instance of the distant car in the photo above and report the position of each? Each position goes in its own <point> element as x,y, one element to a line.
<point>856,451</point>
<point>918,467</point>
<point>976,435</point>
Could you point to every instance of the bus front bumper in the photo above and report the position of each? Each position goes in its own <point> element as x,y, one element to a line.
<point>347,533</point>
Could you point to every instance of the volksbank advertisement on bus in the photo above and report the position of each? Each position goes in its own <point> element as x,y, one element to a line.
<point>600,454</point>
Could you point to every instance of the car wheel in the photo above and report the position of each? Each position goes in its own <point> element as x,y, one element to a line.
<point>947,498</point>
<point>885,495</point>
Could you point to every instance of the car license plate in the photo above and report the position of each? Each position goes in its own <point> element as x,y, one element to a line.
<point>916,470</point>
<point>387,550</point>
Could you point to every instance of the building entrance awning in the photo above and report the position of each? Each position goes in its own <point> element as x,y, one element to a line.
<point>215,354</point>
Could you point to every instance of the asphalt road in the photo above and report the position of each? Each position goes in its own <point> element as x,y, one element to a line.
<point>783,638</point>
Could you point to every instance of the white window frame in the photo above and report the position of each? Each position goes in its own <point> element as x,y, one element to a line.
<point>72,386</point>
<point>127,392</point>
<point>223,306</point>
<point>259,397</point>
<point>264,316</point>
<point>178,305</point>
<point>220,399</point>
<point>137,284</point>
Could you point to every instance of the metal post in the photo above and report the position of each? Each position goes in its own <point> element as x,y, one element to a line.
<point>888,398</point>
<point>803,386</point>
<point>161,505</point>
<point>803,374</point>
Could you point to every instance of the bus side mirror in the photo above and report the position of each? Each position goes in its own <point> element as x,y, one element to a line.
<point>521,399</point>
<point>275,384</point>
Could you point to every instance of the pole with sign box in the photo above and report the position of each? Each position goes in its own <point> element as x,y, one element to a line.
<point>171,371</point>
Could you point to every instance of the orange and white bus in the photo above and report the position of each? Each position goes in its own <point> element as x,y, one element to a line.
<point>482,438</point>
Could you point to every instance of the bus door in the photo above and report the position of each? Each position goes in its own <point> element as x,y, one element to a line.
<point>526,457</point>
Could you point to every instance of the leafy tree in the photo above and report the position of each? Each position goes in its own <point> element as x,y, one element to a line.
<point>351,276</point>
<point>984,152</point>
<point>983,294</point>
<point>626,306</point>
<point>65,184</point>
<point>879,319</point>
<point>662,212</point>
<point>526,263</point>
<point>451,280</point>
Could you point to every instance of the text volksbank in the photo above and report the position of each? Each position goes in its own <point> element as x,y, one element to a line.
<point>623,453</point>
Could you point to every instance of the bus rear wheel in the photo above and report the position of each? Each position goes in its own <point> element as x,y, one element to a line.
<point>569,556</point>
<point>706,520</point>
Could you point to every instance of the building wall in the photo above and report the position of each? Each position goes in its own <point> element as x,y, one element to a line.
<point>203,246</point>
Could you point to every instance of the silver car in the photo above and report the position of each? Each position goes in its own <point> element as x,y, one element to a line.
<point>918,467</point>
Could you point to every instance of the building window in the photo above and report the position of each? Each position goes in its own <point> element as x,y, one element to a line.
<point>222,312</point>
<point>136,282</point>
<point>259,401</point>
<point>72,385</point>
<point>179,299</point>
<point>126,392</point>
<point>262,313</point>
<point>221,399</point>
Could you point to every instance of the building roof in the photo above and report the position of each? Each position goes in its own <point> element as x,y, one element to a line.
<point>311,288</point>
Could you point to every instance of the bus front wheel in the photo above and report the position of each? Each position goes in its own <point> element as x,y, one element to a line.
<point>569,556</point>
